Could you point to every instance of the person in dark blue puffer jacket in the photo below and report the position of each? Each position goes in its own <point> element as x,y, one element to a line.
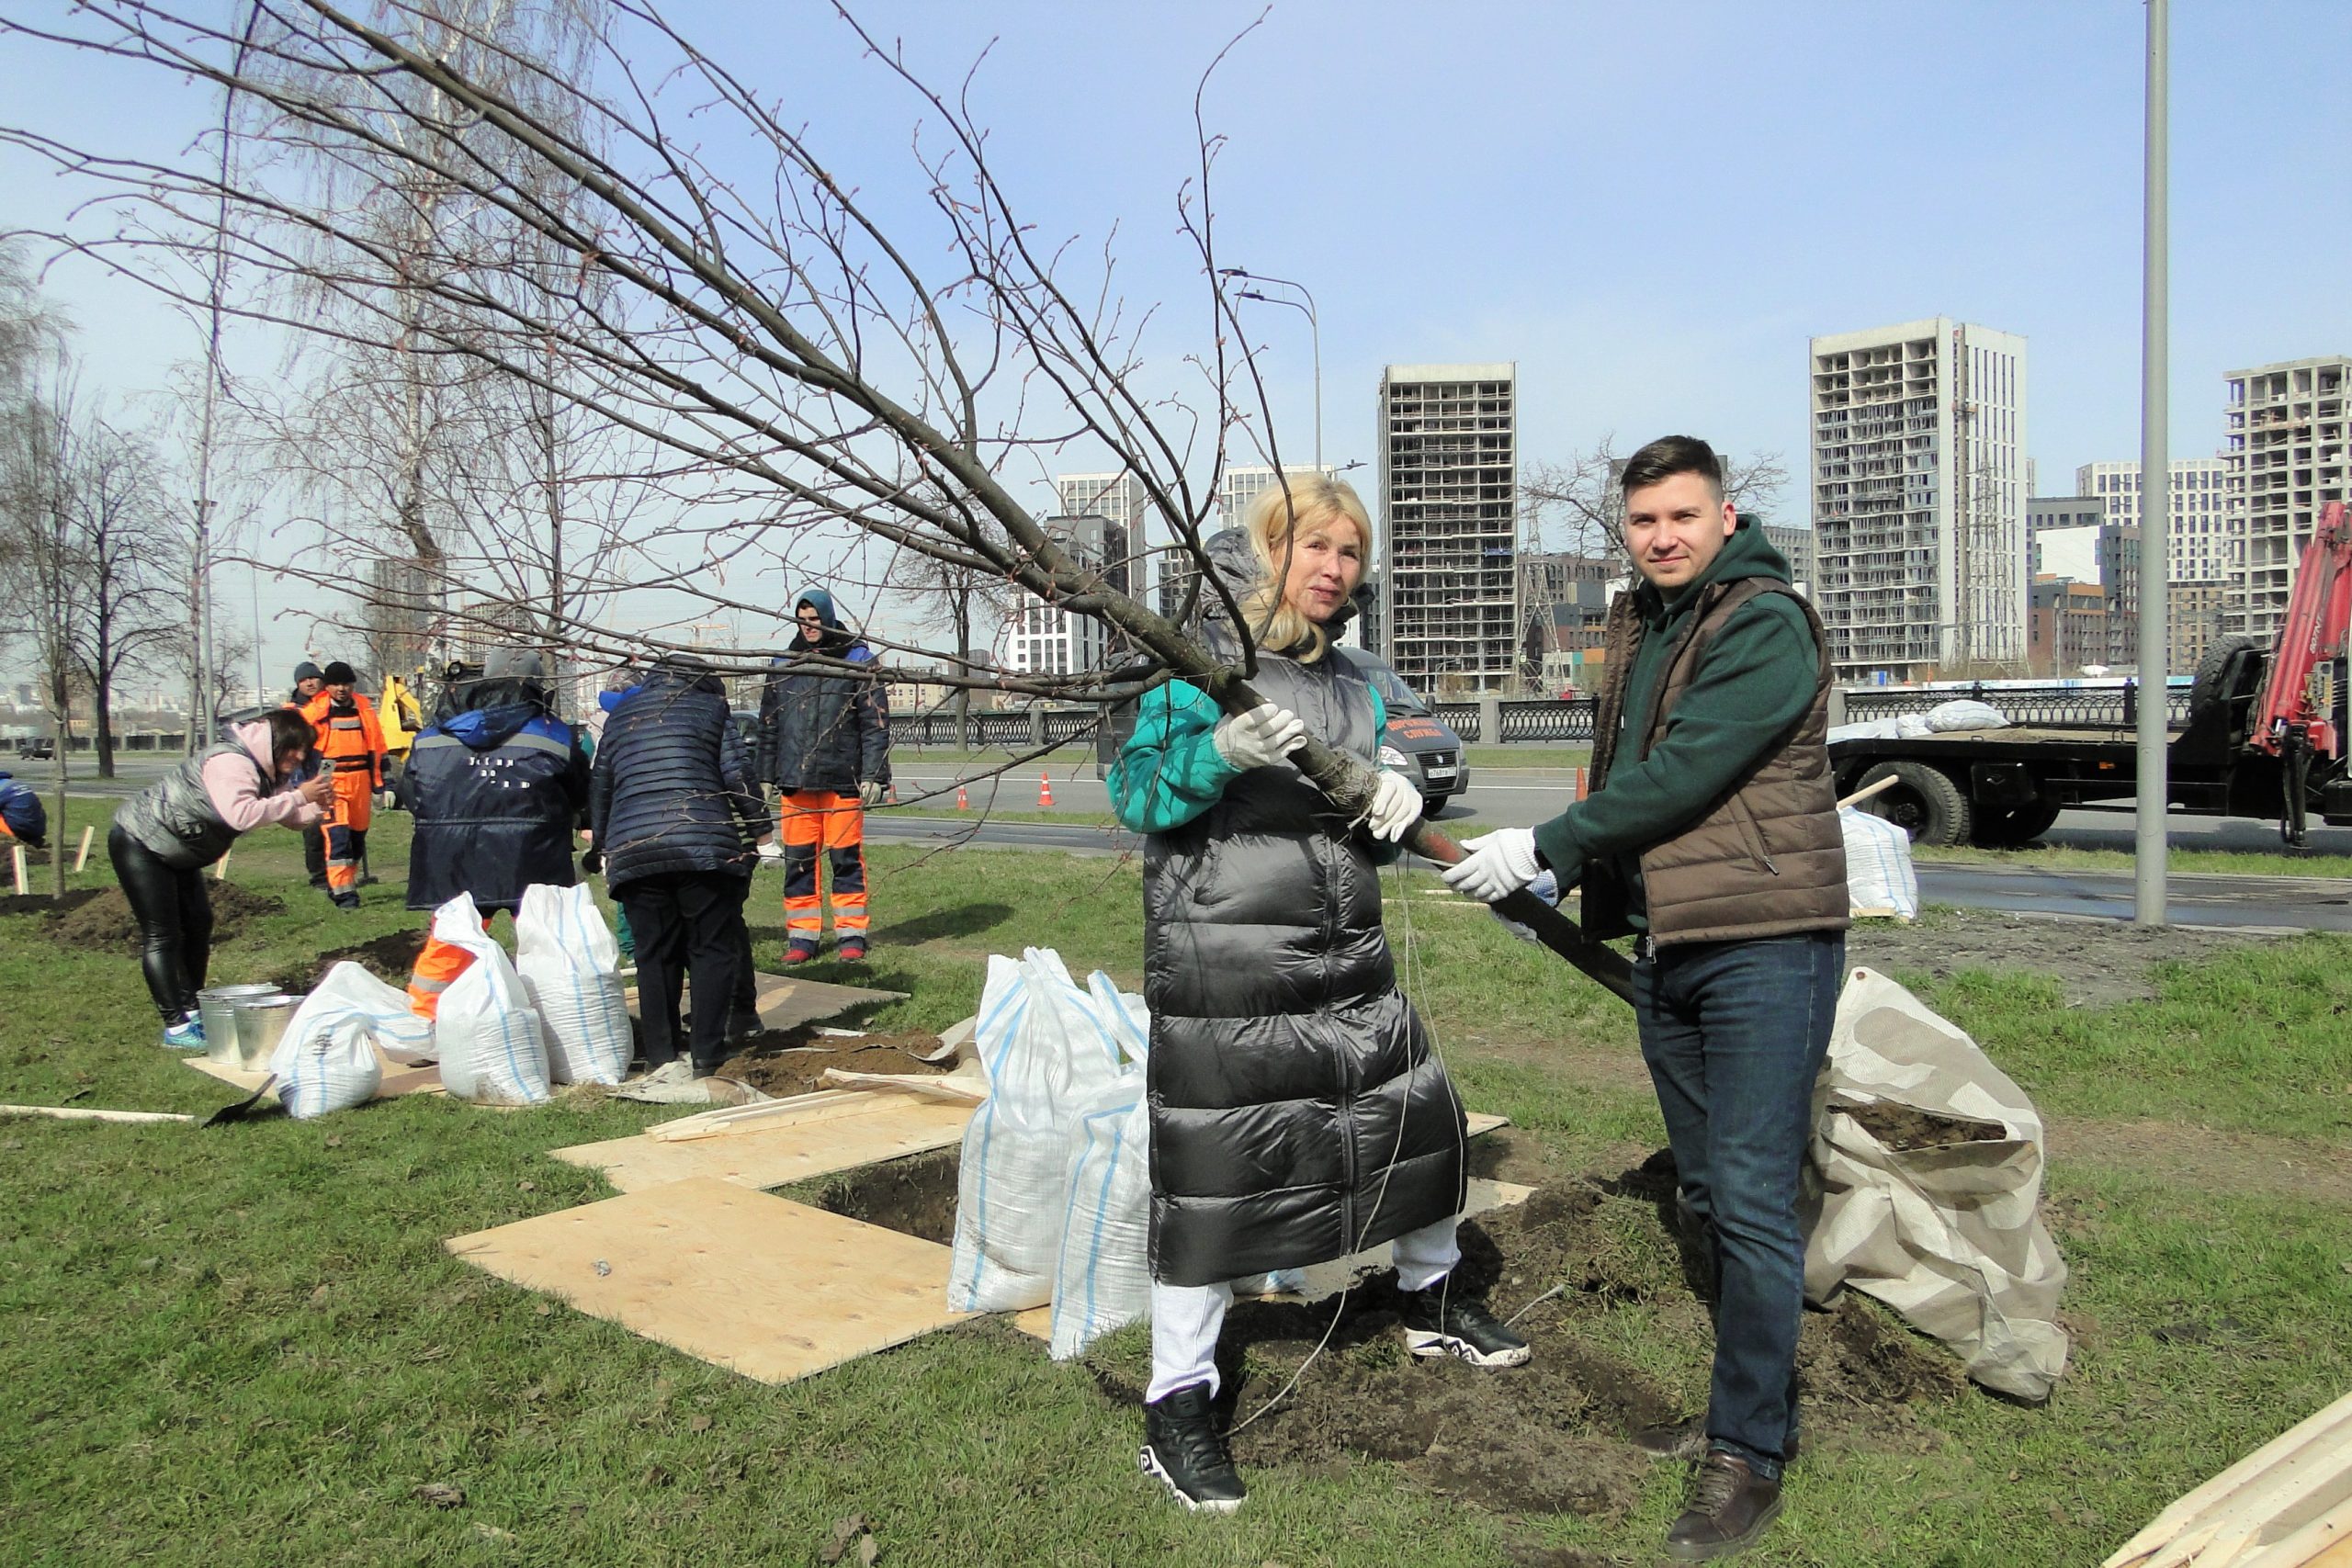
<point>497,790</point>
<point>674,813</point>
<point>22,814</point>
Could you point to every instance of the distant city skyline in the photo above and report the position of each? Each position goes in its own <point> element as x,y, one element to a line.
<point>1526,234</point>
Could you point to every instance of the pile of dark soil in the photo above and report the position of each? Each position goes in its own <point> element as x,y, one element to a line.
<point>1554,1435</point>
<point>389,958</point>
<point>1906,1127</point>
<point>39,903</point>
<point>793,1061</point>
<point>102,922</point>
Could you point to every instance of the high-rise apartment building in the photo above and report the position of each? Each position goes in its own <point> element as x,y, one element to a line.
<point>1046,639</point>
<point>1919,479</point>
<point>1448,550</point>
<point>2197,546</point>
<point>1115,497</point>
<point>1795,541</point>
<point>2284,448</point>
<point>1239,485</point>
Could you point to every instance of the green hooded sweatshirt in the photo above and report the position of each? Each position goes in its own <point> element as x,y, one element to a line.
<point>1754,681</point>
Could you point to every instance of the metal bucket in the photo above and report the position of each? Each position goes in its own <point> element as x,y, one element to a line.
<point>261,1024</point>
<point>218,1009</point>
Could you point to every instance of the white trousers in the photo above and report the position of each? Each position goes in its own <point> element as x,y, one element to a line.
<point>1185,1318</point>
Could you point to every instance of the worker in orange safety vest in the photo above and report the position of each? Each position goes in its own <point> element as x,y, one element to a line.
<point>352,742</point>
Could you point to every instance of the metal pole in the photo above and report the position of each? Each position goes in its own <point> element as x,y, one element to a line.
<point>1315,334</point>
<point>2155,490</point>
<point>1313,328</point>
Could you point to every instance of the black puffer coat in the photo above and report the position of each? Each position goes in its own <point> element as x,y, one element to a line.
<point>496,791</point>
<point>672,790</point>
<point>823,728</point>
<point>1298,1112</point>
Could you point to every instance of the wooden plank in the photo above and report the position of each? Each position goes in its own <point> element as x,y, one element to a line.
<point>2309,1483</point>
<point>2333,1424</point>
<point>2317,1541</point>
<point>1482,1122</point>
<point>76,1113</point>
<point>819,1106</point>
<point>892,1125</point>
<point>770,1289</point>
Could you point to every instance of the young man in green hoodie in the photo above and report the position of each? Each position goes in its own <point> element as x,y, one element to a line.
<point>1710,834</point>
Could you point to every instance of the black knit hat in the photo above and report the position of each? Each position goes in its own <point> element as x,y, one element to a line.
<point>306,670</point>
<point>341,674</point>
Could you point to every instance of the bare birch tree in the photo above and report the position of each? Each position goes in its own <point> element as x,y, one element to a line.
<point>764,328</point>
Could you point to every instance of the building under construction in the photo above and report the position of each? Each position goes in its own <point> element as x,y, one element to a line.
<point>1449,487</point>
<point>2285,456</point>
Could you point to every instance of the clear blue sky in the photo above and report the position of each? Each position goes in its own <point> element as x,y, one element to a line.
<point>1650,208</point>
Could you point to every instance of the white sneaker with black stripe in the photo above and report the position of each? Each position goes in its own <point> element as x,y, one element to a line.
<point>1439,1322</point>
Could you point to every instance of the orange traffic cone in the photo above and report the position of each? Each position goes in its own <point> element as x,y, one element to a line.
<point>1583,775</point>
<point>963,798</point>
<point>1045,791</point>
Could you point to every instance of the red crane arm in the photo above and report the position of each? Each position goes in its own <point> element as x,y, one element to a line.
<point>2318,612</point>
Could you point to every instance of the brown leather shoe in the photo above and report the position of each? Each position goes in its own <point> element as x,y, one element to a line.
<point>1729,1510</point>
<point>1687,1440</point>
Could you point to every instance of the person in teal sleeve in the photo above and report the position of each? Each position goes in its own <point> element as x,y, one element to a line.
<point>1298,1110</point>
<point>1712,833</point>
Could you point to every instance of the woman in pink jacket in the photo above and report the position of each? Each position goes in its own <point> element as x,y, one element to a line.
<point>163,837</point>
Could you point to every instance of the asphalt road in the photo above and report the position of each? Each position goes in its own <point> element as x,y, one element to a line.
<point>2267,903</point>
<point>1520,798</point>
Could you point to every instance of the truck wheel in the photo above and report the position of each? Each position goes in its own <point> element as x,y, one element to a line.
<point>2008,827</point>
<point>2205,687</point>
<point>1923,801</point>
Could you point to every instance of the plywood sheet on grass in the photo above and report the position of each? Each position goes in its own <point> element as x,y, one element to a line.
<point>398,1079</point>
<point>771,1289</point>
<point>762,1157</point>
<point>787,1003</point>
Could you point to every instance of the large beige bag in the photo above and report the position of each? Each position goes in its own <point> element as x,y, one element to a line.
<point>1938,1220</point>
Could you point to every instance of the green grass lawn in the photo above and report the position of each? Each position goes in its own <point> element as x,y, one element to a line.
<point>246,1345</point>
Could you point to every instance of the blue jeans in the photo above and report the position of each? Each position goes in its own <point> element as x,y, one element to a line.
<point>1733,1033</point>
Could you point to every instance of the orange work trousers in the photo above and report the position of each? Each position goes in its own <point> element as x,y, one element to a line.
<point>808,821</point>
<point>437,966</point>
<point>353,810</point>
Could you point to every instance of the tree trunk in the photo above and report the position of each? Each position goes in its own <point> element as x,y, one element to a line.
<point>57,817</point>
<point>103,732</point>
<point>964,694</point>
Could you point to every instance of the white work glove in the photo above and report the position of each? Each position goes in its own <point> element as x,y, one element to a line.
<point>1260,737</point>
<point>869,794</point>
<point>1545,886</point>
<point>1395,806</point>
<point>1497,866</point>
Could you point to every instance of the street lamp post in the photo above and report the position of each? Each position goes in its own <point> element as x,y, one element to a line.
<point>1314,331</point>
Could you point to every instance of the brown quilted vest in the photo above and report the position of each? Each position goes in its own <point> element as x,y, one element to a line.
<point>1769,858</point>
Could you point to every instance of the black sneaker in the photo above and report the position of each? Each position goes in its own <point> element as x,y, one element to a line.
<point>1441,1322</point>
<point>1729,1509</point>
<point>1183,1447</point>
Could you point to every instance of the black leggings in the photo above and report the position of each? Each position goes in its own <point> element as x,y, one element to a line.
<point>174,916</point>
